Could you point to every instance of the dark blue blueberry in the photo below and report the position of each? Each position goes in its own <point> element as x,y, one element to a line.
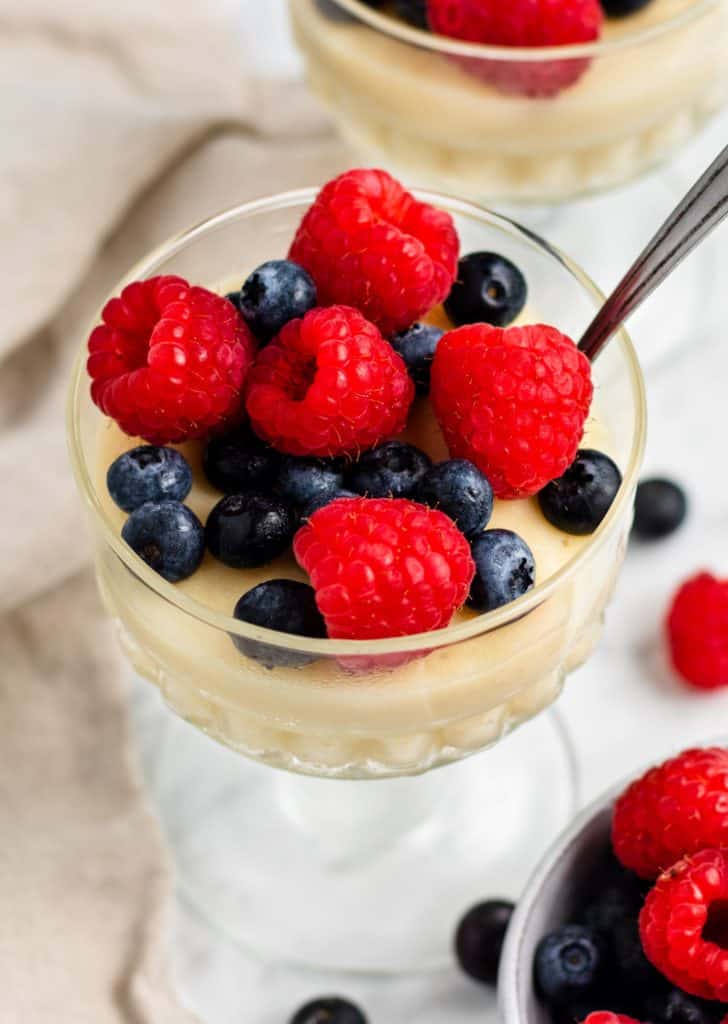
<point>278,291</point>
<point>239,461</point>
<point>479,939</point>
<point>392,470</point>
<point>488,289</point>
<point>504,569</point>
<point>148,473</point>
<point>578,501</point>
<point>417,347</point>
<point>621,8</point>
<point>460,490</point>
<point>284,605</point>
<point>569,963</point>
<point>321,500</point>
<point>168,536</point>
<point>660,507</point>
<point>234,297</point>
<point>330,1010</point>
<point>670,1005</point>
<point>413,11</point>
<point>305,480</point>
<point>249,530</point>
<point>612,905</point>
<point>633,969</point>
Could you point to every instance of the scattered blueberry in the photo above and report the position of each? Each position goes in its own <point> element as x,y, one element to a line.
<point>168,536</point>
<point>330,1010</point>
<point>569,963</point>
<point>284,605</point>
<point>248,530</point>
<point>278,291</point>
<point>392,470</point>
<point>303,481</point>
<point>504,569</point>
<point>672,1006</point>
<point>459,489</point>
<point>321,500</point>
<point>417,347</point>
<point>660,507</point>
<point>413,11</point>
<point>579,500</point>
<point>613,905</point>
<point>479,939</point>
<point>620,8</point>
<point>239,461</point>
<point>488,289</point>
<point>148,473</point>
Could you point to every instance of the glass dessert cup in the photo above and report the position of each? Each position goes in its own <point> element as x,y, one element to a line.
<point>425,106</point>
<point>336,861</point>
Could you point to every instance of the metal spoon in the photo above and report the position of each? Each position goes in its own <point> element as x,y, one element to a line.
<point>702,209</point>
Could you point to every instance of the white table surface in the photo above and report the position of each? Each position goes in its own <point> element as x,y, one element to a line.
<point>624,707</point>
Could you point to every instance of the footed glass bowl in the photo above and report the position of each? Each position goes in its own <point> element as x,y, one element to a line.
<point>439,110</point>
<point>256,847</point>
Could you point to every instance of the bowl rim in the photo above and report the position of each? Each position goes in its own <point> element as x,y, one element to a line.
<point>413,643</point>
<point>424,39</point>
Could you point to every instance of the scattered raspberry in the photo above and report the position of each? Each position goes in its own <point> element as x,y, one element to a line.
<point>675,809</point>
<point>684,924</point>
<point>697,628</point>
<point>370,244</point>
<point>329,384</point>
<point>169,360</point>
<point>512,401</point>
<point>521,23</point>
<point>607,1017</point>
<point>384,567</point>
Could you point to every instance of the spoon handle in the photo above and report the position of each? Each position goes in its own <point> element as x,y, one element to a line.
<point>702,209</point>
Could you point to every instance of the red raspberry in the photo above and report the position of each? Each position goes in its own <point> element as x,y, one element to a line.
<point>370,244</point>
<point>607,1017</point>
<point>521,23</point>
<point>675,809</point>
<point>169,360</point>
<point>384,567</point>
<point>329,384</point>
<point>514,401</point>
<point>697,628</point>
<point>683,924</point>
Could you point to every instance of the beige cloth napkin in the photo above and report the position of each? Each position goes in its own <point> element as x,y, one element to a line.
<point>120,124</point>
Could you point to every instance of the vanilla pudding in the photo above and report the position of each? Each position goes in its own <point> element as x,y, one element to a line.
<point>399,96</point>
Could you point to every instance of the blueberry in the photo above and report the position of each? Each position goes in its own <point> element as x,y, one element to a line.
<point>612,905</point>
<point>304,480</point>
<point>413,11</point>
<point>278,291</point>
<point>488,289</point>
<point>670,1005</point>
<point>248,530</point>
<point>569,963</point>
<point>620,8</point>
<point>284,605</point>
<point>148,473</point>
<point>634,970</point>
<point>660,507</point>
<point>417,347</point>
<point>234,297</point>
<point>460,490</point>
<point>504,569</point>
<point>168,536</point>
<point>330,1010</point>
<point>321,500</point>
<point>392,470</point>
<point>479,939</point>
<point>578,501</point>
<point>239,461</point>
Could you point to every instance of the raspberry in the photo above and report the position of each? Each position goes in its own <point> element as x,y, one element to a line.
<point>697,628</point>
<point>369,243</point>
<point>384,567</point>
<point>675,809</point>
<point>683,924</point>
<point>169,360</point>
<point>513,401</point>
<point>329,384</point>
<point>607,1017</point>
<point>521,23</point>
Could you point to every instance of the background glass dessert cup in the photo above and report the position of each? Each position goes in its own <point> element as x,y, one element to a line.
<point>425,105</point>
<point>284,861</point>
